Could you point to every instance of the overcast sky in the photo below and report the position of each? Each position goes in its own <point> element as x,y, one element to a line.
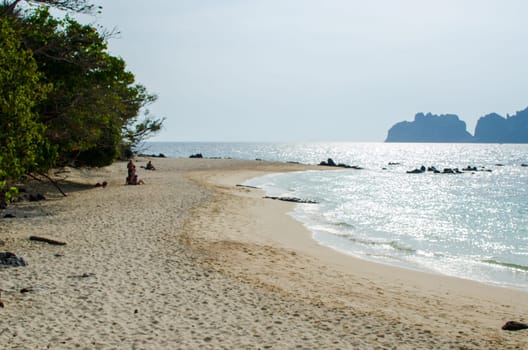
<point>327,70</point>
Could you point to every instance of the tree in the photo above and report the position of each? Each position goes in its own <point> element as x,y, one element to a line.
<point>63,98</point>
<point>137,131</point>
<point>22,145</point>
<point>95,101</point>
<point>82,6</point>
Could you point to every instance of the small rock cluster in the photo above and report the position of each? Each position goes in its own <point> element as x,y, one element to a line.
<point>292,199</point>
<point>11,259</point>
<point>433,169</point>
<point>330,162</point>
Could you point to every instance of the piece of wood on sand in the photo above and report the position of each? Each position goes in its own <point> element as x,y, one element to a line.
<point>46,240</point>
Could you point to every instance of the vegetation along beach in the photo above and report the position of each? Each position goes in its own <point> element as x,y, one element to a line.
<point>204,219</point>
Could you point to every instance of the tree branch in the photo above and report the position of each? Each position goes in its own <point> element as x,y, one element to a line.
<point>52,182</point>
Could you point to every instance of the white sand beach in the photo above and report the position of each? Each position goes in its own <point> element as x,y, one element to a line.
<point>191,261</point>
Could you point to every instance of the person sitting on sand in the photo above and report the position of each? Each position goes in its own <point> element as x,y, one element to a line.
<point>130,166</point>
<point>132,178</point>
<point>150,166</point>
<point>136,181</point>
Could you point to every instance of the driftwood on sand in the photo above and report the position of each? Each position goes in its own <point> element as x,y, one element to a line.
<point>46,240</point>
<point>247,186</point>
<point>292,199</point>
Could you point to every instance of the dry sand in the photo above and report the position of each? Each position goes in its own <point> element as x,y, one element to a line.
<point>190,261</point>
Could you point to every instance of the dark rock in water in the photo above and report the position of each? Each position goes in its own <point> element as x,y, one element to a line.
<point>433,169</point>
<point>11,259</point>
<point>197,155</point>
<point>292,199</point>
<point>451,171</point>
<point>514,326</point>
<point>416,171</point>
<point>524,164</point>
<point>329,162</point>
<point>161,155</point>
<point>9,216</point>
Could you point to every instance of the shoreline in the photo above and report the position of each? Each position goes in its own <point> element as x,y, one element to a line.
<point>354,258</point>
<point>423,289</point>
<point>303,241</point>
<point>189,260</point>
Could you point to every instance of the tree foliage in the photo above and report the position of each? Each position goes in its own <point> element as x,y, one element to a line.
<point>94,97</point>
<point>64,98</point>
<point>82,6</point>
<point>22,144</point>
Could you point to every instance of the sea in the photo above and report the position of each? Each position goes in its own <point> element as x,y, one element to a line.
<point>471,225</point>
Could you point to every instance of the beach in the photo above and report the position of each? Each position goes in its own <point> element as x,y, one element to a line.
<point>190,260</point>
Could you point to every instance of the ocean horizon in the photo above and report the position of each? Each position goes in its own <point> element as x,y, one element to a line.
<point>471,224</point>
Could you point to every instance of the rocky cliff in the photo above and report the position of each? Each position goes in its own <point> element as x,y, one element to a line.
<point>493,128</point>
<point>430,128</point>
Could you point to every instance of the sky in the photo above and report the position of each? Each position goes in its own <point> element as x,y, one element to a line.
<point>327,70</point>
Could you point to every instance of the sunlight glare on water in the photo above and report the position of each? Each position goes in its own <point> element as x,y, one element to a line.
<point>472,225</point>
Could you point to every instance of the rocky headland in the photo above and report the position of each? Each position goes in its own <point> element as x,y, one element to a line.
<point>491,128</point>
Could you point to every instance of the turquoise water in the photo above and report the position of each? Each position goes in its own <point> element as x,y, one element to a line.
<point>472,225</point>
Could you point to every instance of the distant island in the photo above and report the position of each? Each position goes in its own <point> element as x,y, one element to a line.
<point>491,128</point>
